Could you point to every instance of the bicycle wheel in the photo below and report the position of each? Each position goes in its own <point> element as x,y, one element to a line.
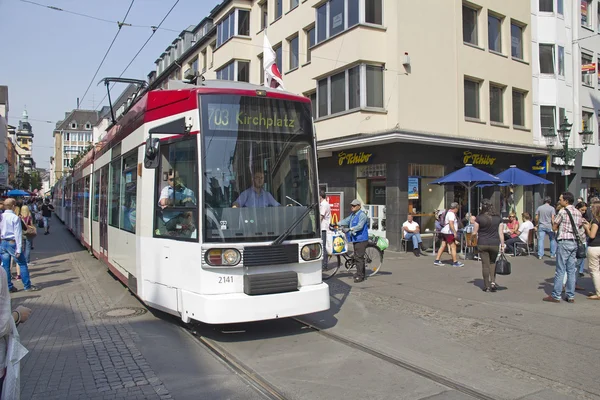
<point>333,264</point>
<point>373,260</point>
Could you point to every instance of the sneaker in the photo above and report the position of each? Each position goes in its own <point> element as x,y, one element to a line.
<point>540,257</point>
<point>13,290</point>
<point>458,264</point>
<point>581,274</point>
<point>32,288</point>
<point>494,287</point>
<point>359,279</point>
<point>438,263</point>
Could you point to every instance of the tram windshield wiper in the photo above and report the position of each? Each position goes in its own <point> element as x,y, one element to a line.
<point>289,230</point>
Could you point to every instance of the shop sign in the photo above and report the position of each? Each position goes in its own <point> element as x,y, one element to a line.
<point>539,165</point>
<point>478,159</point>
<point>335,200</point>
<point>413,187</point>
<point>588,68</point>
<point>354,158</point>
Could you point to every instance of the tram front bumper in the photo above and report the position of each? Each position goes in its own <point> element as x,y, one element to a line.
<point>240,307</point>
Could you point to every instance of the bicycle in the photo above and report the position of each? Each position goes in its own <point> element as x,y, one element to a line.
<point>373,260</point>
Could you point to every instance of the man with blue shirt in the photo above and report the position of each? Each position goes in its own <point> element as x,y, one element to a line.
<point>256,196</point>
<point>358,232</point>
<point>11,245</point>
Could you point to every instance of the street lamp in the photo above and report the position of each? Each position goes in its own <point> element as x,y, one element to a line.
<point>564,133</point>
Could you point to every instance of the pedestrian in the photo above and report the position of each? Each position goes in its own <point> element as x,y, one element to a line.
<point>567,248</point>
<point>522,233</point>
<point>544,217</point>
<point>325,212</point>
<point>9,342</point>
<point>29,224</point>
<point>47,209</point>
<point>411,231</point>
<point>450,235</point>
<point>582,207</point>
<point>593,253</point>
<point>12,246</point>
<point>358,231</point>
<point>490,240</point>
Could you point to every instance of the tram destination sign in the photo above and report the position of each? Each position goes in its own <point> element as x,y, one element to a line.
<point>275,117</point>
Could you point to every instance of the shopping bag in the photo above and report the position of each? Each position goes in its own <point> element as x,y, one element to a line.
<point>382,243</point>
<point>339,244</point>
<point>503,265</point>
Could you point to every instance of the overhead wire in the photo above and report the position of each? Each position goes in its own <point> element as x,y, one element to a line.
<point>140,50</point>
<point>54,8</point>
<point>107,51</point>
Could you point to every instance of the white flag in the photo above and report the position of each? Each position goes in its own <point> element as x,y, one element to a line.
<point>272,74</point>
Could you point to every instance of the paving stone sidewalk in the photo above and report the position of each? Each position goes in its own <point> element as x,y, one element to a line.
<point>75,353</point>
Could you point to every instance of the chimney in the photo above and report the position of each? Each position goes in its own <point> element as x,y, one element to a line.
<point>78,103</point>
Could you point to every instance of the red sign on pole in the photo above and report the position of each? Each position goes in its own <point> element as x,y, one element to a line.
<point>335,200</point>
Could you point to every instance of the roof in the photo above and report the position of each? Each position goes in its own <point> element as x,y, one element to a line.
<point>81,117</point>
<point>4,95</point>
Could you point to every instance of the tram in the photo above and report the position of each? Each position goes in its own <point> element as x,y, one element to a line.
<point>202,199</point>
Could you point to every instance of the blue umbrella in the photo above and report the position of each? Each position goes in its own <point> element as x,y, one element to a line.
<point>17,192</point>
<point>469,177</point>
<point>517,177</point>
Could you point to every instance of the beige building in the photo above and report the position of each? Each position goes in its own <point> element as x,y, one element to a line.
<point>402,91</point>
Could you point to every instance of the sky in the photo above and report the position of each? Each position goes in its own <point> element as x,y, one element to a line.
<point>49,57</point>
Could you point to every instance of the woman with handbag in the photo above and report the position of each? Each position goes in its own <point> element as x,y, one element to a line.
<point>490,240</point>
<point>593,250</point>
<point>29,231</point>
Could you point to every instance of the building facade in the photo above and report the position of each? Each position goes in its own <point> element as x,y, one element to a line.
<point>390,118</point>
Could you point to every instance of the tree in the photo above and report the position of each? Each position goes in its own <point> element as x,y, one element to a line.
<point>36,180</point>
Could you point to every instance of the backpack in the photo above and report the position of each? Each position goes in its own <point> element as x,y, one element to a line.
<point>440,223</point>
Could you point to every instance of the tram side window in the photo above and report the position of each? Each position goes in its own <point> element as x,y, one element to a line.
<point>86,197</point>
<point>129,192</point>
<point>115,194</point>
<point>96,194</point>
<point>176,213</point>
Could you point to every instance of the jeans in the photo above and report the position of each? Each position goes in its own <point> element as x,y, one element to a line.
<point>542,232</point>
<point>27,244</point>
<point>565,261</point>
<point>510,244</point>
<point>8,250</point>
<point>46,223</point>
<point>415,237</point>
<point>359,256</point>
<point>488,254</point>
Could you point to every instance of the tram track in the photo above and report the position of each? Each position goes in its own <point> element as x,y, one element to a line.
<point>270,391</point>
<point>432,376</point>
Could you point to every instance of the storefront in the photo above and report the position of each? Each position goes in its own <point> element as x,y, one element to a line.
<point>393,180</point>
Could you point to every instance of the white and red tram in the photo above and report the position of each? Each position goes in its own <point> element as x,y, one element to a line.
<point>173,202</point>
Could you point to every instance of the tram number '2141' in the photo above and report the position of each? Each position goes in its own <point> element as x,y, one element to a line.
<point>226,279</point>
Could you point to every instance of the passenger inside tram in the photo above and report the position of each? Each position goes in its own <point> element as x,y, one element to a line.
<point>256,195</point>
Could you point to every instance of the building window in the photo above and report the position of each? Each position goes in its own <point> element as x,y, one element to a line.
<point>313,103</point>
<point>561,61</point>
<point>516,36</point>
<point>547,5</point>
<point>586,13</point>
<point>194,65</point>
<point>278,56</point>
<point>547,58</point>
<point>471,99</point>
<point>496,104</point>
<point>88,126</point>
<point>494,33</point>
<point>261,72</point>
<point>587,69</point>
<point>293,45</point>
<point>587,121</point>
<point>518,106</point>
<point>310,41</point>
<point>264,15</point>
<point>344,91</point>
<point>236,23</point>
<point>204,60</point>
<point>469,16</point>
<point>374,12</point>
<point>213,46</point>
<point>336,16</point>
<point>235,71</point>
<point>73,125</point>
<point>294,4</point>
<point>278,9</point>
<point>548,120</point>
<point>560,7</point>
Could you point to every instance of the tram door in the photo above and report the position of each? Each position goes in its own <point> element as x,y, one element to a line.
<point>103,212</point>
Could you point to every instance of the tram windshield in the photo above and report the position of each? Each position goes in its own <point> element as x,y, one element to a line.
<point>259,171</point>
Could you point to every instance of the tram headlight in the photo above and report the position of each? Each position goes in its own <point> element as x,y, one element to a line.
<point>223,257</point>
<point>311,252</point>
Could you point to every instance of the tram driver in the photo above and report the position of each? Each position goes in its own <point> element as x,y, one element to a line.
<point>256,195</point>
<point>175,193</point>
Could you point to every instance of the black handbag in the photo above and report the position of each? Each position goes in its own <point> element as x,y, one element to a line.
<point>581,252</point>
<point>503,265</point>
